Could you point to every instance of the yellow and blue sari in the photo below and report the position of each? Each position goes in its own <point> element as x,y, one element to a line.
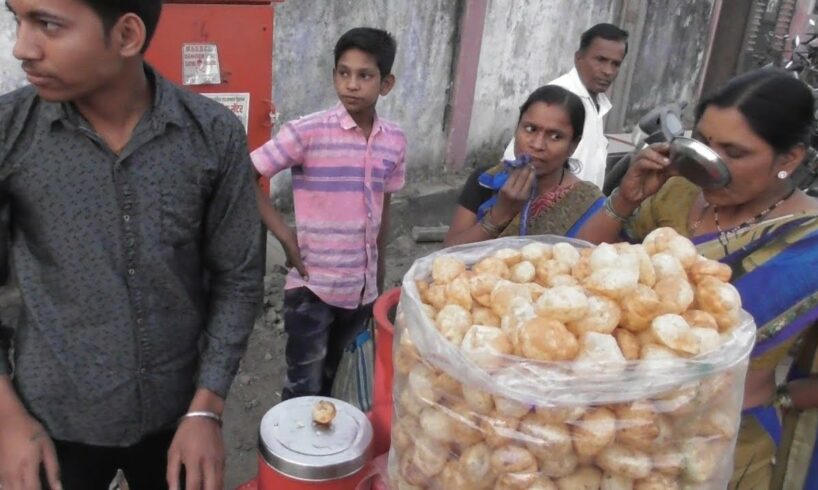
<point>775,269</point>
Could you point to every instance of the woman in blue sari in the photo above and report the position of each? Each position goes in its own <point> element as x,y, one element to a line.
<point>760,225</point>
<point>538,193</point>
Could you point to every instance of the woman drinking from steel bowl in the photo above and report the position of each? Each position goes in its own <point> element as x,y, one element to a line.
<point>759,224</point>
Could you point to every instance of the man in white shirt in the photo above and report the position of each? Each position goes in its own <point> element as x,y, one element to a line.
<point>601,51</point>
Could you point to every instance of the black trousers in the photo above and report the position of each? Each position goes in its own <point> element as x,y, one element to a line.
<point>317,335</point>
<point>84,467</point>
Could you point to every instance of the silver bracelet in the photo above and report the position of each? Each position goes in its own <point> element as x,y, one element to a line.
<point>610,211</point>
<point>204,414</point>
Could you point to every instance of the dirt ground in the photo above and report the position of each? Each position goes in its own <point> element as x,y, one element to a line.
<point>257,386</point>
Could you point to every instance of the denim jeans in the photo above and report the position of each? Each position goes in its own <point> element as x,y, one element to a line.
<point>317,335</point>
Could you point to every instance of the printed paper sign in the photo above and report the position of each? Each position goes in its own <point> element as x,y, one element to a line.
<point>200,64</point>
<point>238,103</point>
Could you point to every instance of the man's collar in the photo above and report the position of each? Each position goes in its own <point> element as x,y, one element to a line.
<point>165,109</point>
<point>579,87</point>
<point>602,102</point>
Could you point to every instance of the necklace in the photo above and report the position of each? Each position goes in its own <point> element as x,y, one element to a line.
<point>526,212</point>
<point>735,229</point>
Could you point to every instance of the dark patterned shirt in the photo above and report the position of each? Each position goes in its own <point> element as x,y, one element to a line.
<point>140,272</point>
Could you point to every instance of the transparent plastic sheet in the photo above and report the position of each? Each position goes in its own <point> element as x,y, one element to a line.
<point>524,424</point>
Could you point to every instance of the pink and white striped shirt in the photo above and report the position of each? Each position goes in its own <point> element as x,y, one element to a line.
<point>339,181</point>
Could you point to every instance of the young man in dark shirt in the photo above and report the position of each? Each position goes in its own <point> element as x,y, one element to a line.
<point>136,242</point>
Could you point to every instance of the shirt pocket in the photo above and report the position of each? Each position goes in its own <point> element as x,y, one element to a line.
<point>182,206</point>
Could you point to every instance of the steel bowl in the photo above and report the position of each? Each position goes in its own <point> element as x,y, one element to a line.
<point>698,163</point>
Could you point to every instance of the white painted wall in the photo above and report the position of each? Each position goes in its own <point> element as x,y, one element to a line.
<point>11,76</point>
<point>526,44</point>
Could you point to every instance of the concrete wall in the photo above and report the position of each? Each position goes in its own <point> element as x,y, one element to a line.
<point>306,32</point>
<point>526,43</point>
<point>11,76</point>
<point>669,57</point>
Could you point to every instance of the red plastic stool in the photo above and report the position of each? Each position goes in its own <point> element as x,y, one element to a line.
<point>381,414</point>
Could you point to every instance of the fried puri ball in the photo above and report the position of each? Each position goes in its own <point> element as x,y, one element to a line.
<point>594,431</point>
<point>640,308</point>
<point>612,481</point>
<point>715,296</point>
<point>491,266</point>
<point>558,415</point>
<point>602,316</point>
<point>704,267</point>
<point>475,464</point>
<point>675,294</point>
<point>666,265</point>
<point>453,321</point>
<point>523,272</point>
<point>672,331</point>
<point>637,424</point>
<point>513,459</point>
<point>545,440</point>
<point>659,239</point>
<point>504,292</point>
<point>536,251</point>
<point>700,318</point>
<point>709,339</point>
<point>623,460</point>
<point>509,256</point>
<point>453,478</point>
<point>478,400</point>
<point>604,256</point>
<point>549,268</point>
<point>547,340</point>
<point>484,345</point>
<point>520,310</point>
<point>657,481</point>
<point>499,430</point>
<point>628,344</point>
<point>598,352</point>
<point>436,296</point>
<point>613,282</point>
<point>480,315</point>
<point>458,292</point>
<point>584,478</point>
<point>516,481</point>
<point>702,458</point>
<point>404,431</point>
<point>563,304</point>
<point>559,466</point>
<point>565,253</point>
<point>429,456</point>
<point>446,268</point>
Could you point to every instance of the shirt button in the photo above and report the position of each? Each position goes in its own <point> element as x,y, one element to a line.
<point>143,371</point>
<point>131,272</point>
<point>369,215</point>
<point>126,217</point>
<point>139,321</point>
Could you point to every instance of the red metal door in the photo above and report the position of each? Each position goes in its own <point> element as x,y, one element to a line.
<point>242,32</point>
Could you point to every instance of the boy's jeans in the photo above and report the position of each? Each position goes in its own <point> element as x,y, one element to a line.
<point>317,335</point>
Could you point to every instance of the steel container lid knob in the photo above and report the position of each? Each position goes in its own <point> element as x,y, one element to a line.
<point>292,444</point>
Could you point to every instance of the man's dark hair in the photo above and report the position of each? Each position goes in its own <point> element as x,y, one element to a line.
<point>110,12</point>
<point>609,32</point>
<point>376,42</point>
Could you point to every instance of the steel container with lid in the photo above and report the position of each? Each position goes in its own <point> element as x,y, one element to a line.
<point>295,453</point>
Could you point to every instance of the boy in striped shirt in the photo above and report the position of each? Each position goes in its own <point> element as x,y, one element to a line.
<point>345,163</point>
